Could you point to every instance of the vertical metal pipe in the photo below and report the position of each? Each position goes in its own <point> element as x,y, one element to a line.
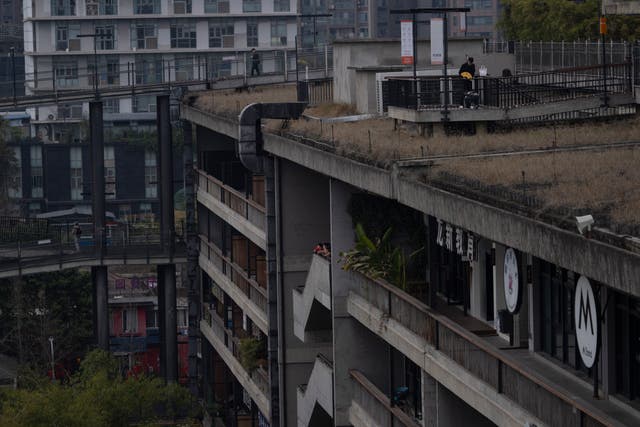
<point>170,330</point>
<point>97,191</point>
<point>192,259</point>
<point>167,227</point>
<point>101,306</point>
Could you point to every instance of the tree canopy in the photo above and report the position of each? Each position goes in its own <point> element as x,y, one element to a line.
<point>97,395</point>
<point>547,20</point>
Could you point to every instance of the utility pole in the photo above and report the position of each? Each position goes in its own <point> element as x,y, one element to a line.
<point>12,52</point>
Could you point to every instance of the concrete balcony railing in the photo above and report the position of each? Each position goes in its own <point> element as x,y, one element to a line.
<point>245,215</point>
<point>255,383</point>
<point>232,278</point>
<point>425,336</point>
<point>319,391</point>
<point>370,406</point>
<point>314,296</point>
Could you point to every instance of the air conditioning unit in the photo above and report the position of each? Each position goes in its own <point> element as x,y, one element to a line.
<point>51,117</point>
<point>223,7</point>
<point>179,8</point>
<point>227,41</point>
<point>74,44</point>
<point>151,43</point>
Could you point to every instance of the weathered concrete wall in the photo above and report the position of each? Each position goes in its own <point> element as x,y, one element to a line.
<point>364,53</point>
<point>454,412</point>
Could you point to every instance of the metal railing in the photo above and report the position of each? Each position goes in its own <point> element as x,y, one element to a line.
<point>248,209</point>
<point>376,404</point>
<point>499,370</point>
<point>123,241</point>
<point>316,91</point>
<point>510,91</point>
<point>236,274</point>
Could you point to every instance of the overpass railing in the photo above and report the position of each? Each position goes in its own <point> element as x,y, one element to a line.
<point>509,91</point>
<point>123,241</point>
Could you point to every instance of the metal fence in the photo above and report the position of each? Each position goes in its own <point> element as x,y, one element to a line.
<point>509,91</point>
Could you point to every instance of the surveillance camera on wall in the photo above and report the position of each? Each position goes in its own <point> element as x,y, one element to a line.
<point>584,223</point>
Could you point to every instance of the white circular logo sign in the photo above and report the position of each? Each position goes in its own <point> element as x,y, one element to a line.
<point>511,281</point>
<point>585,312</point>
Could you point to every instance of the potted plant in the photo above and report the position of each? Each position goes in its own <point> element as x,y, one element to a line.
<point>250,351</point>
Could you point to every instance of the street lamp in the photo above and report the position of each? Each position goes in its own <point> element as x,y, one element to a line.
<point>53,365</point>
<point>95,36</point>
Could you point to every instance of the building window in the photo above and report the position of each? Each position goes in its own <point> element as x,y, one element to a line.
<point>479,20</point>
<point>148,70</point>
<point>281,6</point>
<point>102,7</point>
<point>37,189</point>
<point>130,320</point>
<point>183,35</point>
<point>108,72</point>
<point>627,345</point>
<point>144,104</point>
<point>63,7</point>
<point>75,165</point>
<point>150,175</point>
<point>141,7</point>
<point>111,105</point>
<point>146,214</point>
<point>66,73</point>
<point>216,6</point>
<point>184,68</point>
<point>251,5</point>
<point>67,36</point>
<point>221,35</point>
<point>252,33</point>
<point>109,173</point>
<point>144,36</point>
<point>152,317</point>
<point>14,189</point>
<point>183,318</point>
<point>478,4</point>
<point>107,38</point>
<point>181,6</point>
<point>278,33</point>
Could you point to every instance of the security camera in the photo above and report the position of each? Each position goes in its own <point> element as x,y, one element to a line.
<point>584,223</point>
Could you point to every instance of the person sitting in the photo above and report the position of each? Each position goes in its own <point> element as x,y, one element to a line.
<point>467,72</point>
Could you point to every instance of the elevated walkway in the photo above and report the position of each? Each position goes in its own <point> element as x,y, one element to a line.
<point>312,303</point>
<point>315,399</point>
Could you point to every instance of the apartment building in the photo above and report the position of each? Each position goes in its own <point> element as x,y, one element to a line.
<point>141,42</point>
<point>506,315</point>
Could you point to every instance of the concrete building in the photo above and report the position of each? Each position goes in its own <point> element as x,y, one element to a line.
<point>144,42</point>
<point>515,309</point>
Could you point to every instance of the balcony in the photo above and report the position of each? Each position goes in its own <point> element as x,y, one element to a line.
<point>371,407</point>
<point>234,281</point>
<point>312,303</point>
<point>245,215</point>
<point>315,399</point>
<point>255,383</point>
<point>509,388</point>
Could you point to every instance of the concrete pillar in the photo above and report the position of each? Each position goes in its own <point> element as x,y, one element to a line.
<point>167,227</point>
<point>275,349</point>
<point>168,322</point>
<point>97,169</point>
<point>193,285</point>
<point>101,306</point>
<point>429,400</point>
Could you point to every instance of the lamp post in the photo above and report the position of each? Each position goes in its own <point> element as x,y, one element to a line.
<point>95,36</point>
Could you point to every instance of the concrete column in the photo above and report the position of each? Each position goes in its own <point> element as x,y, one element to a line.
<point>101,306</point>
<point>167,227</point>
<point>168,322</point>
<point>195,300</point>
<point>97,163</point>
<point>429,400</point>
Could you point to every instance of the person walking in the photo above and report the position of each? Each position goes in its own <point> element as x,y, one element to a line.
<point>255,62</point>
<point>76,231</point>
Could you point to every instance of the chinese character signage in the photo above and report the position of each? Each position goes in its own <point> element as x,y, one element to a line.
<point>406,42</point>
<point>456,239</point>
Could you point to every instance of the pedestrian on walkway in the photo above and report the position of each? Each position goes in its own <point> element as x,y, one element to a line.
<point>255,62</point>
<point>76,231</point>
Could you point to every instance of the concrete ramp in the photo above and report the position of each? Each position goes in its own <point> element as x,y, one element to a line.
<point>312,303</point>
<point>315,399</point>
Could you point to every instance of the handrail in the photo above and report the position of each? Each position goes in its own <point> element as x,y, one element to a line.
<point>402,416</point>
<point>233,265</point>
<point>488,348</point>
<point>231,190</point>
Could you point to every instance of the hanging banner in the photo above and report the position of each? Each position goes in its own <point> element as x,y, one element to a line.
<point>512,294</point>
<point>437,41</point>
<point>585,311</point>
<point>406,42</point>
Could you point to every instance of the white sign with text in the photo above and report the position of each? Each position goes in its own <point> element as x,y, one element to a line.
<point>585,311</point>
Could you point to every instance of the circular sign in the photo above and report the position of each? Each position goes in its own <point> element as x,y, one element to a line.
<point>511,281</point>
<point>585,312</point>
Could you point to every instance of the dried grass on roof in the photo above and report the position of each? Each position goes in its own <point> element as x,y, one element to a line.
<point>229,103</point>
<point>604,183</point>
